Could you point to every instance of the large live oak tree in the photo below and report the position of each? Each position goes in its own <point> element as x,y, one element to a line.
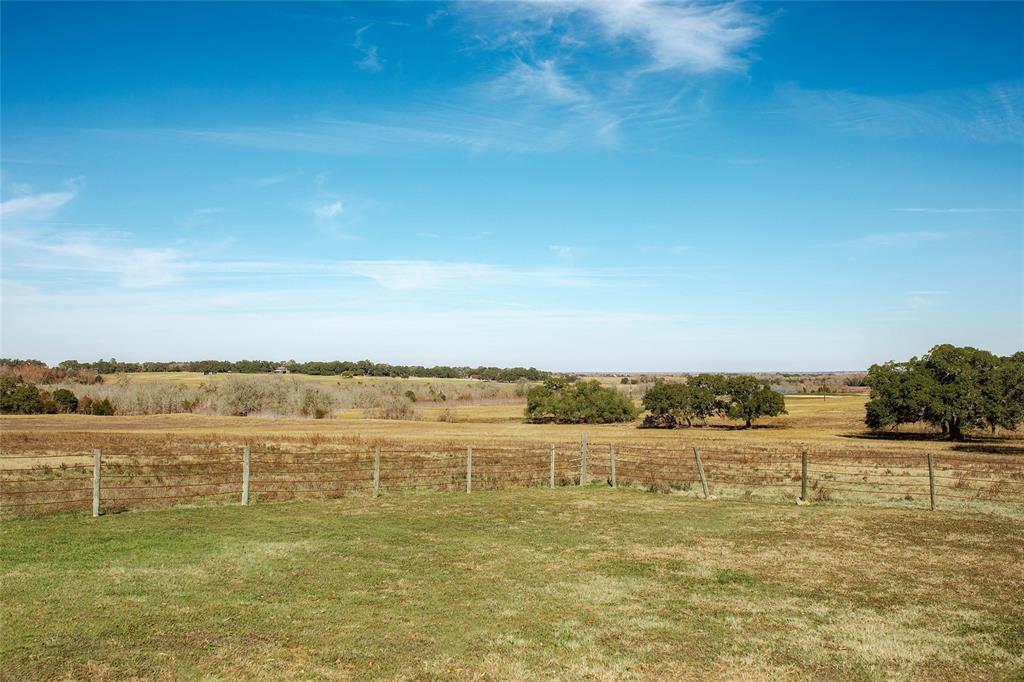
<point>958,389</point>
<point>739,397</point>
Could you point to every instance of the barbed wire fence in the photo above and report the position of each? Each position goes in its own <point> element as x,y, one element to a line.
<point>113,481</point>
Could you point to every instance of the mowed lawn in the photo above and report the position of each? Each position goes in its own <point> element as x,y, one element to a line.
<point>571,583</point>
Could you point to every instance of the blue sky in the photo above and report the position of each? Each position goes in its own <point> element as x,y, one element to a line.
<point>607,186</point>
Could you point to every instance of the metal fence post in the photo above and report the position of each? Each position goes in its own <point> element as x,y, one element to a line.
<point>803,476</point>
<point>469,469</point>
<point>612,447</point>
<point>96,456</point>
<point>931,479</point>
<point>245,475</point>
<point>376,471</point>
<point>552,473</point>
<point>584,454</point>
<point>700,472</point>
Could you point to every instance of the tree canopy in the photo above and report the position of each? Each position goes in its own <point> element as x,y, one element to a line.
<point>957,389</point>
<point>581,402</point>
<point>706,395</point>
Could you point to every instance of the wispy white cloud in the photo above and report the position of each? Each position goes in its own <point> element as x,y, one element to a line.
<point>110,254</point>
<point>892,239</point>
<point>544,97</point>
<point>370,61</point>
<point>43,256</point>
<point>917,300</point>
<point>684,36</point>
<point>471,128</point>
<point>40,206</point>
<point>989,114</point>
<point>541,81</point>
<point>329,210</point>
<point>271,180</point>
<point>202,216</point>
<point>566,253</point>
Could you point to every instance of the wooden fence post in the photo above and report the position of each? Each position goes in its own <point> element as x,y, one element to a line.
<point>584,454</point>
<point>612,446</point>
<point>96,455</point>
<point>552,451</point>
<point>803,476</point>
<point>245,475</point>
<point>700,472</point>
<point>931,479</point>
<point>376,472</point>
<point>469,470</point>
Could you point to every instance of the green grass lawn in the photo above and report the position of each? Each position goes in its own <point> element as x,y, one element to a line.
<point>570,583</point>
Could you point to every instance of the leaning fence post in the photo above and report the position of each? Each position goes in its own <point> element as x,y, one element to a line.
<point>584,453</point>
<point>612,446</point>
<point>552,471</point>
<point>700,472</point>
<point>931,478</point>
<point>245,475</point>
<point>803,476</point>
<point>469,469</point>
<point>376,471</point>
<point>96,482</point>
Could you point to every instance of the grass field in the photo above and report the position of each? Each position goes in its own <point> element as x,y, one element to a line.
<point>517,583</point>
<point>566,584</point>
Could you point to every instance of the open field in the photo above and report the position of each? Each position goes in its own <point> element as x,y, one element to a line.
<point>831,422</point>
<point>565,584</point>
<point>514,581</point>
<point>152,461</point>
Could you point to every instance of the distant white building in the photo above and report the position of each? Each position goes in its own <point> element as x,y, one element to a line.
<point>281,370</point>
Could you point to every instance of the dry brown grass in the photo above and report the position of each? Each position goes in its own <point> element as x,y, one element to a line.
<point>847,463</point>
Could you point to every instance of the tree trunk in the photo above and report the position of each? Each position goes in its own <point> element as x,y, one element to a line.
<point>749,422</point>
<point>954,429</point>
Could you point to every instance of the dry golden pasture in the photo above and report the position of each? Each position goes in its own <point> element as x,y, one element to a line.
<point>831,423</point>
<point>848,463</point>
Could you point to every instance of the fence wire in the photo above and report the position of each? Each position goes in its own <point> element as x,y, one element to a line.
<point>50,482</point>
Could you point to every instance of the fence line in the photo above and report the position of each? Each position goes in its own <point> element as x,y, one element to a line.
<point>119,480</point>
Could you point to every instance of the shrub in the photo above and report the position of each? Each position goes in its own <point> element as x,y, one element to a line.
<point>582,402</point>
<point>19,397</point>
<point>390,407</point>
<point>315,403</point>
<point>100,408</point>
<point>49,405</point>
<point>65,400</point>
<point>241,397</point>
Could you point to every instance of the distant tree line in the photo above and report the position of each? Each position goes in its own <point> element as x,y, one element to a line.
<point>957,389</point>
<point>703,396</point>
<point>38,372</point>
<point>69,369</point>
